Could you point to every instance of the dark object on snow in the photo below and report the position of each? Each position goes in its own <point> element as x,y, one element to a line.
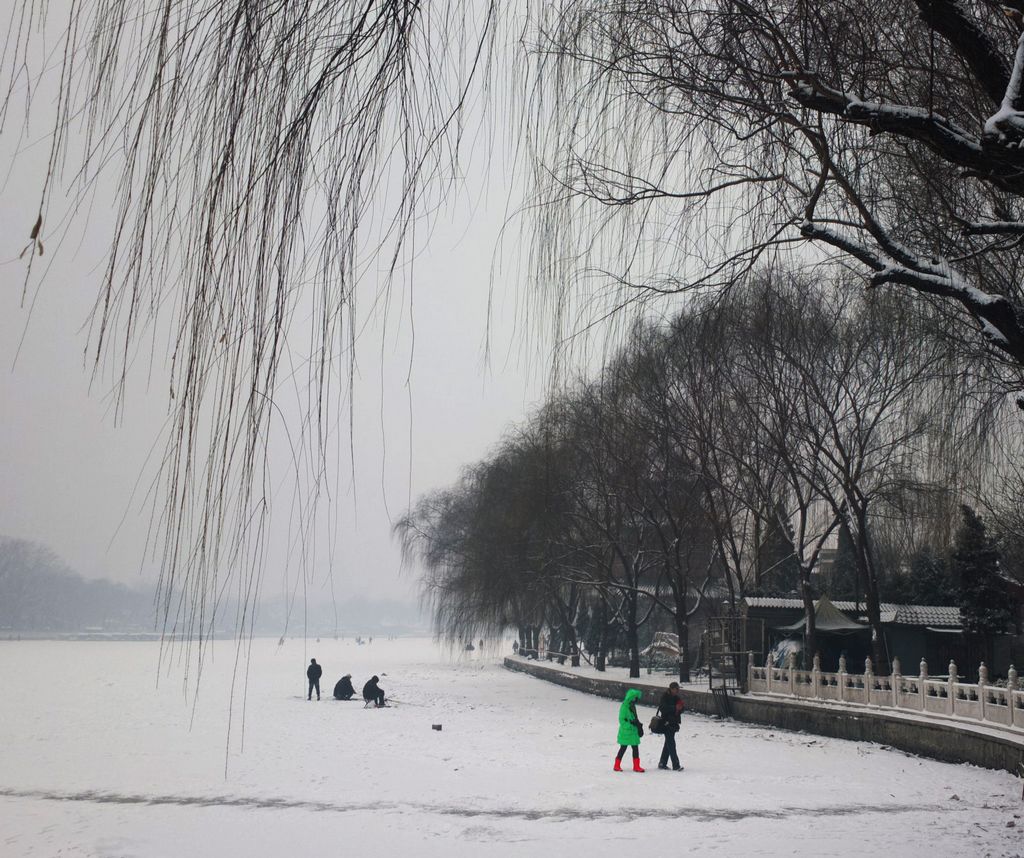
<point>313,674</point>
<point>436,727</point>
<point>344,690</point>
<point>670,710</point>
<point>373,692</point>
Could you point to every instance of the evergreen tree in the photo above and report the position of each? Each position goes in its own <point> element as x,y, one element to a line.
<point>983,597</point>
<point>779,565</point>
<point>927,581</point>
<point>898,588</point>
<point>843,578</point>
<point>931,580</point>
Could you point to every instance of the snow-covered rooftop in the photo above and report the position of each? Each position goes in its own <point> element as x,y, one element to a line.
<point>905,615</point>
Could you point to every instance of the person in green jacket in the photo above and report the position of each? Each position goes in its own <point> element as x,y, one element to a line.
<point>630,730</point>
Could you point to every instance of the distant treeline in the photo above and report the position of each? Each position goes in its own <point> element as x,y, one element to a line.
<point>39,593</point>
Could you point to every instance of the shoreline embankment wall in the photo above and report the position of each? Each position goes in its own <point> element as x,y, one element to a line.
<point>940,739</point>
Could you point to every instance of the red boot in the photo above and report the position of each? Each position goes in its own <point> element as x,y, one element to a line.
<point>636,765</point>
<point>618,765</point>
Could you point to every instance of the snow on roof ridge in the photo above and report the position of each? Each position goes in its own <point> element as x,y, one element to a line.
<point>891,612</point>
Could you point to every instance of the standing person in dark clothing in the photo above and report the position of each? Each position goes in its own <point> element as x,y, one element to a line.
<point>670,709</point>
<point>344,690</point>
<point>313,674</point>
<point>372,691</point>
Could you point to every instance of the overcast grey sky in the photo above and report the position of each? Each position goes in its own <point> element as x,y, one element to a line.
<point>77,476</point>
<point>69,471</point>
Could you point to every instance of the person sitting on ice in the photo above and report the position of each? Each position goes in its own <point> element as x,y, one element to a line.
<point>344,689</point>
<point>630,730</point>
<point>313,673</point>
<point>373,692</point>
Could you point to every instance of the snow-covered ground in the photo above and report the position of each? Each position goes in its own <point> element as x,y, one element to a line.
<point>97,760</point>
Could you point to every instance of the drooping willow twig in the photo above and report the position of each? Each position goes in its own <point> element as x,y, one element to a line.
<point>267,157</point>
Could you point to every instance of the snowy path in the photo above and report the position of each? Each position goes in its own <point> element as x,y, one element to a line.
<point>97,762</point>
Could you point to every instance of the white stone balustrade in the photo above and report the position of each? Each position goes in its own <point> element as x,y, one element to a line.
<point>983,702</point>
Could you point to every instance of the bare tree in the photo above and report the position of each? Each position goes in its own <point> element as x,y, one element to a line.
<point>671,488</point>
<point>606,461</point>
<point>704,138</point>
<point>862,364</point>
<point>735,476</point>
<point>481,544</point>
<point>258,148</point>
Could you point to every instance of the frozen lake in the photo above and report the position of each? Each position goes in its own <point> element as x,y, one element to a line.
<point>98,759</point>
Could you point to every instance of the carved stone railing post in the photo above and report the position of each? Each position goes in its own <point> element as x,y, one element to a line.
<point>1012,684</point>
<point>982,682</point>
<point>791,680</point>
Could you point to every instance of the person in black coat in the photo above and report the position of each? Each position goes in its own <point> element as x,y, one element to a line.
<point>372,691</point>
<point>313,674</point>
<point>670,709</point>
<point>344,690</point>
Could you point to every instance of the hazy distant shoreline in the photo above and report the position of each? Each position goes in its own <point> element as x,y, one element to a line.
<point>15,637</point>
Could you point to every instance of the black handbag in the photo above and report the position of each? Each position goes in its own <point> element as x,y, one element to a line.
<point>657,725</point>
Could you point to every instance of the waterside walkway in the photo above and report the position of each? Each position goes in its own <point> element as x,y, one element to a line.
<point>949,739</point>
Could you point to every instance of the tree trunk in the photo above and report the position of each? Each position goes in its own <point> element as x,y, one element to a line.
<point>633,637</point>
<point>880,663</point>
<point>728,579</point>
<point>683,632</point>
<point>558,644</point>
<point>569,635</point>
<point>810,631</point>
<point>757,554</point>
<point>866,569</point>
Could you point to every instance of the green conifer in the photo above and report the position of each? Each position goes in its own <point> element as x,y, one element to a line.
<point>984,602</point>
